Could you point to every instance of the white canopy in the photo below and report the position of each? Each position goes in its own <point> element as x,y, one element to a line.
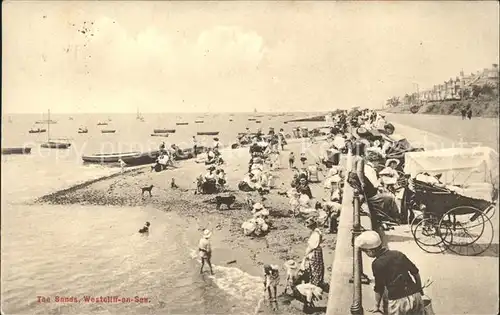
<point>457,165</point>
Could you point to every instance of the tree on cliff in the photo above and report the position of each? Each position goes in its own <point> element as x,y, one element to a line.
<point>393,102</point>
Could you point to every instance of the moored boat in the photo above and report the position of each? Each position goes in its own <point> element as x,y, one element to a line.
<point>251,119</point>
<point>102,123</point>
<point>199,121</point>
<point>108,157</point>
<point>108,131</point>
<point>258,121</point>
<point>19,150</point>
<point>164,130</point>
<point>55,145</point>
<point>83,130</point>
<point>159,134</point>
<point>208,133</point>
<point>38,130</point>
<point>46,121</point>
<point>182,123</point>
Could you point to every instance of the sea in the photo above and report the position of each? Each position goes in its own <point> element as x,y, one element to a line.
<point>56,258</point>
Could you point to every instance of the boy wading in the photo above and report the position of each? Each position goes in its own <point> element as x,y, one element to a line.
<point>392,270</point>
<point>205,250</point>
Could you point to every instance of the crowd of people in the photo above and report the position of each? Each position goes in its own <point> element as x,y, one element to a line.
<point>376,175</point>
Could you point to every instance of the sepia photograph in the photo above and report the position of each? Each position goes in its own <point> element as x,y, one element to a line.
<point>250,157</point>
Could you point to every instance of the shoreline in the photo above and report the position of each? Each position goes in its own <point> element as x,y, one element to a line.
<point>287,237</point>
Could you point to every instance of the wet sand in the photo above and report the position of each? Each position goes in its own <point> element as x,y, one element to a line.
<point>286,239</point>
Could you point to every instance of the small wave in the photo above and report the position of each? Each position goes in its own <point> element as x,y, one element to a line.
<point>235,282</point>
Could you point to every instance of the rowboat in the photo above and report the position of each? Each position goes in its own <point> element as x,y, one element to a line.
<point>159,134</point>
<point>16,150</point>
<point>182,123</point>
<point>251,119</point>
<point>108,131</point>
<point>207,133</point>
<point>102,123</point>
<point>141,158</point>
<point>108,157</point>
<point>164,130</point>
<point>55,145</point>
<point>258,121</point>
<point>198,121</point>
<point>38,130</point>
<point>83,130</point>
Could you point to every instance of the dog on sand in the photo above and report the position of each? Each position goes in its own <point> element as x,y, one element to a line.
<point>147,189</point>
<point>225,200</point>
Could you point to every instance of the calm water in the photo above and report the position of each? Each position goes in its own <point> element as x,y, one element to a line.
<point>92,251</point>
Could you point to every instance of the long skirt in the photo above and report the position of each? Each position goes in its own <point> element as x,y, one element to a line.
<point>317,267</point>
<point>383,206</point>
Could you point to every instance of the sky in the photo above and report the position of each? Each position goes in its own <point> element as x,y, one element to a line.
<point>86,57</point>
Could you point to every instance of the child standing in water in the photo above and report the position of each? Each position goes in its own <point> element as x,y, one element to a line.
<point>291,159</point>
<point>205,250</point>
<point>271,281</point>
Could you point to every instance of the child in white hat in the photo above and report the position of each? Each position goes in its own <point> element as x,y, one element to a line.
<point>205,250</point>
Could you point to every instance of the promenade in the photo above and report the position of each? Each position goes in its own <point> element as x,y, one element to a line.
<point>461,284</point>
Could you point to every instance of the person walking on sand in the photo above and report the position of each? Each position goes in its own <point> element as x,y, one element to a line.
<point>195,146</point>
<point>291,159</point>
<point>122,165</point>
<point>469,113</point>
<point>205,251</point>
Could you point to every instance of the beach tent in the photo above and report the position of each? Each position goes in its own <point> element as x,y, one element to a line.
<point>458,166</point>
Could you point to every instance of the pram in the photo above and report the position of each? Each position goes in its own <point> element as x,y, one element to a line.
<point>453,210</point>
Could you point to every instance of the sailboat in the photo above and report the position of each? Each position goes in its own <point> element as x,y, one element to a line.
<point>50,144</point>
<point>139,116</point>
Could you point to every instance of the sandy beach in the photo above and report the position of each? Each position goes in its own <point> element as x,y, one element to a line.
<point>286,239</point>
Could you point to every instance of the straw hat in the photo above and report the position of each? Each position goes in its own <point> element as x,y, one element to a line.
<point>207,234</point>
<point>257,206</point>
<point>368,240</point>
<point>389,161</point>
<point>336,178</point>
<point>292,264</point>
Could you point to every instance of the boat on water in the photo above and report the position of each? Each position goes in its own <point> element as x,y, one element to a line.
<point>108,157</point>
<point>83,130</point>
<point>208,133</point>
<point>230,120</point>
<point>102,123</point>
<point>258,121</point>
<point>71,118</point>
<point>46,121</point>
<point>139,116</point>
<point>159,134</point>
<point>198,121</point>
<point>251,119</point>
<point>108,131</point>
<point>37,130</point>
<point>10,119</point>
<point>182,123</point>
<point>54,144</point>
<point>164,130</point>
<point>19,150</point>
